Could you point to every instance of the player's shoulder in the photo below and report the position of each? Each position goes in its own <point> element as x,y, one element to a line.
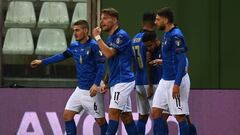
<point>138,37</point>
<point>176,33</point>
<point>74,44</point>
<point>93,44</point>
<point>121,33</point>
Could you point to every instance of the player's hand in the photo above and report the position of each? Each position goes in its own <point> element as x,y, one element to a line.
<point>176,92</point>
<point>96,31</point>
<point>156,62</point>
<point>93,90</point>
<point>150,91</point>
<point>103,88</point>
<point>35,63</point>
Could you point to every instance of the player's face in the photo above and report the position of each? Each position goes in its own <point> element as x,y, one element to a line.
<point>160,22</point>
<point>150,45</point>
<point>107,22</point>
<point>79,32</point>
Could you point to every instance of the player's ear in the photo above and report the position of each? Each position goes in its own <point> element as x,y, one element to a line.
<point>85,30</point>
<point>115,20</point>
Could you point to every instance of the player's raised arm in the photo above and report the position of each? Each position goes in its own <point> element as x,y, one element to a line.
<point>107,51</point>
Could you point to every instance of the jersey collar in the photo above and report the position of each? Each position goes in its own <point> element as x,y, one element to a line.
<point>115,32</point>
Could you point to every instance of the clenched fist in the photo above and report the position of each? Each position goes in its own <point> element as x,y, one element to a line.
<point>36,63</point>
<point>96,31</point>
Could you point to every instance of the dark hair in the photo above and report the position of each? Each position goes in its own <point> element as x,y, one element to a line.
<point>149,36</point>
<point>111,12</point>
<point>149,17</point>
<point>166,12</point>
<point>82,23</point>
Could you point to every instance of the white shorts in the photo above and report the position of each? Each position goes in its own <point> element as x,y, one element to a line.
<point>163,96</point>
<point>120,96</point>
<point>81,100</point>
<point>143,103</point>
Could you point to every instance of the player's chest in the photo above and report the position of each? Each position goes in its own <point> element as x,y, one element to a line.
<point>166,45</point>
<point>82,54</point>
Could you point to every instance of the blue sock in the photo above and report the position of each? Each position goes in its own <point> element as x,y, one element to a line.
<point>104,128</point>
<point>112,127</point>
<point>131,128</point>
<point>141,126</point>
<point>184,128</point>
<point>70,127</point>
<point>192,130</point>
<point>158,126</point>
<point>166,127</point>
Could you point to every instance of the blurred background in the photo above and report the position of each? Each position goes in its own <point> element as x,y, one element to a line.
<point>210,28</point>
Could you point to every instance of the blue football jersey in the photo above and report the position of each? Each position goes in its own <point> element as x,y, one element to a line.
<point>140,62</point>
<point>139,52</point>
<point>175,62</point>
<point>120,63</point>
<point>89,62</point>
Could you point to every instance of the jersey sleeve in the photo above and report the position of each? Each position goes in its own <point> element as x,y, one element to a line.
<point>179,45</point>
<point>180,49</point>
<point>58,57</point>
<point>100,60</point>
<point>121,42</point>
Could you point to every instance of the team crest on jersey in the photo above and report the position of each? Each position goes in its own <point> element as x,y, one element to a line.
<point>119,40</point>
<point>178,42</point>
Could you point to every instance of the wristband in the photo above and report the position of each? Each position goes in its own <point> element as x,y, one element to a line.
<point>98,37</point>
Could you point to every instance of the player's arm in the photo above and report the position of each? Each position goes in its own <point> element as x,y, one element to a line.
<point>53,59</point>
<point>104,83</point>
<point>181,58</point>
<point>100,60</point>
<point>149,75</point>
<point>107,51</point>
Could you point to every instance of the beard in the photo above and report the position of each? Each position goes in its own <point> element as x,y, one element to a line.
<point>105,28</point>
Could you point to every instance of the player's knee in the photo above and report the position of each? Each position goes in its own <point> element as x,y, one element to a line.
<point>156,113</point>
<point>68,115</point>
<point>143,117</point>
<point>114,114</point>
<point>101,121</point>
<point>180,118</point>
<point>126,117</point>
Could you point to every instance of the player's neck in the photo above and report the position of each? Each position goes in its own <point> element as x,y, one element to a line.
<point>169,27</point>
<point>83,41</point>
<point>114,28</point>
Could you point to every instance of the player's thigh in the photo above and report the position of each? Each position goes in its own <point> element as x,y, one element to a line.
<point>94,105</point>
<point>143,106</point>
<point>179,106</point>
<point>150,100</point>
<point>74,102</point>
<point>160,96</point>
<point>120,95</point>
